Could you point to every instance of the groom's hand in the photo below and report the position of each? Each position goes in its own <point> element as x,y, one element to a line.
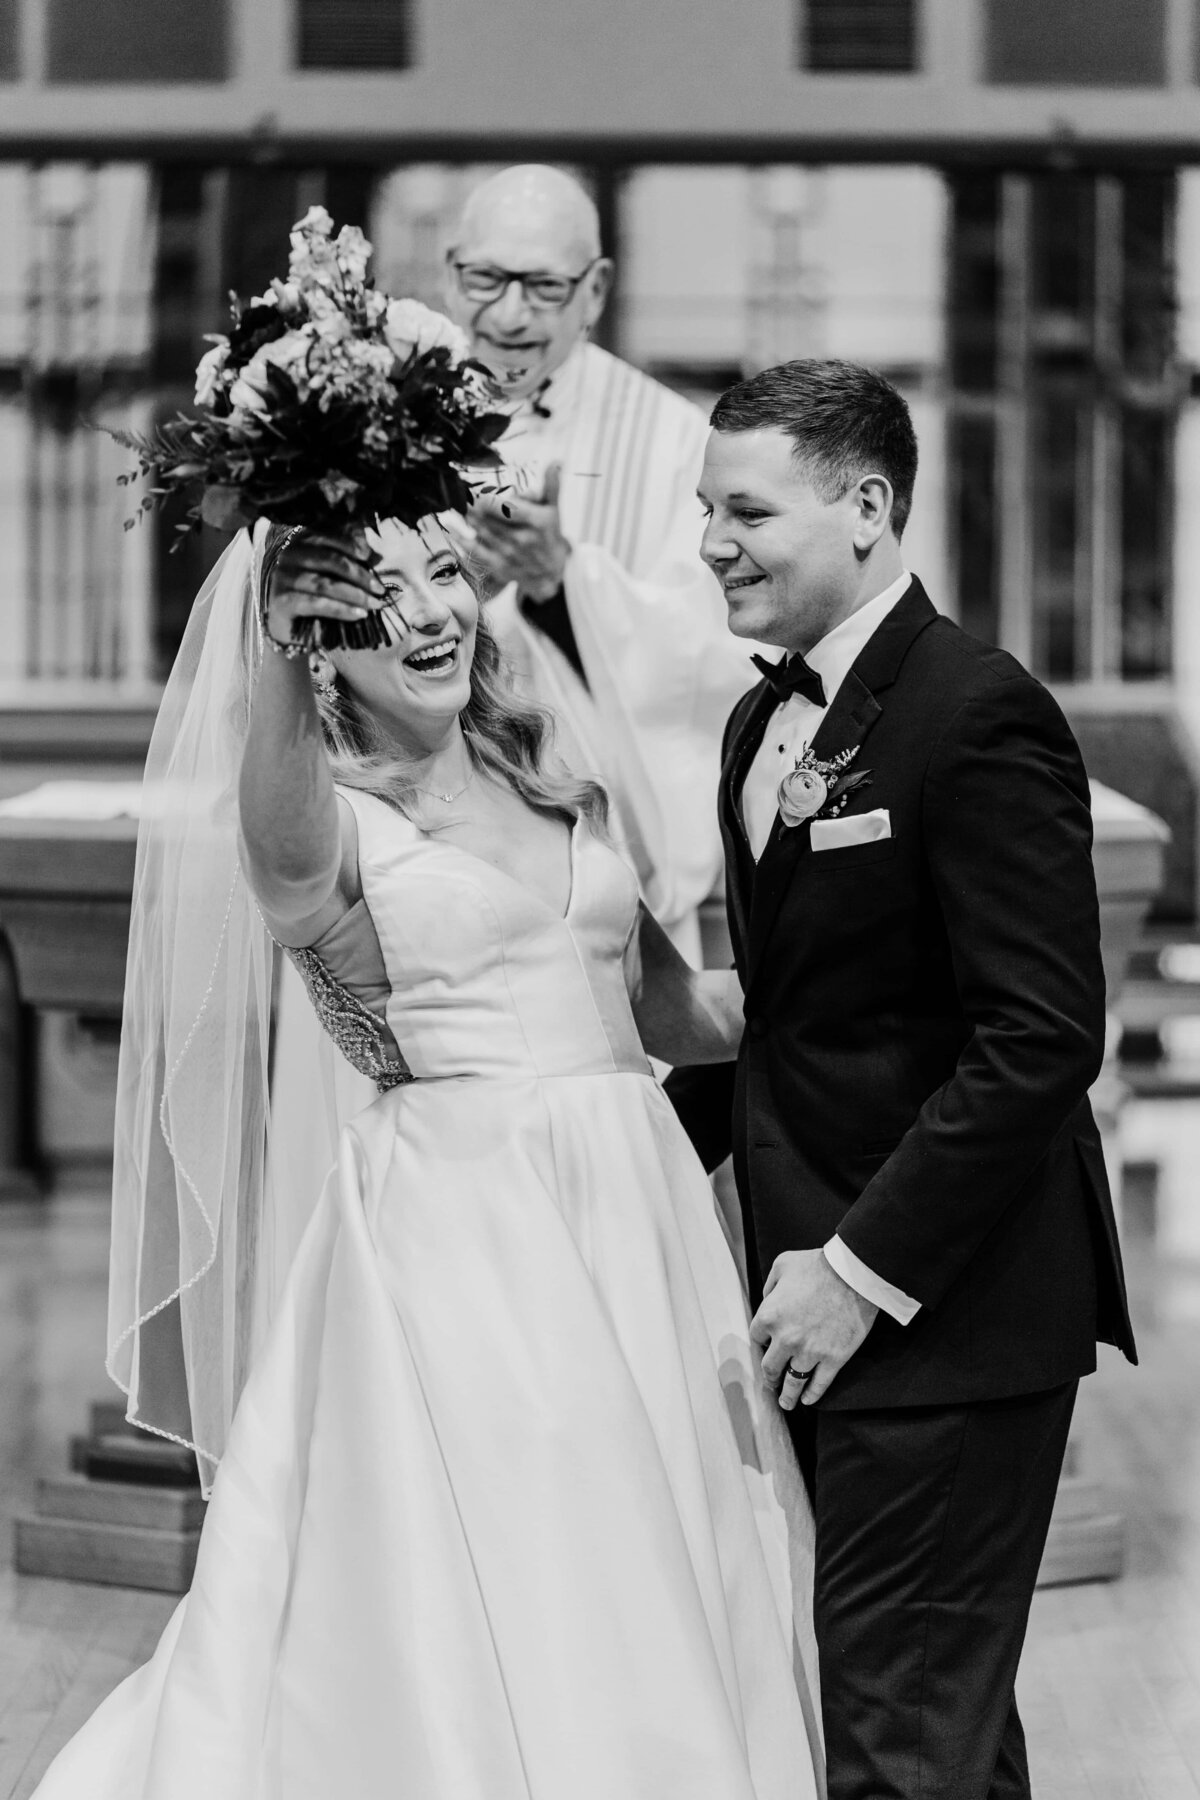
<point>809,1319</point>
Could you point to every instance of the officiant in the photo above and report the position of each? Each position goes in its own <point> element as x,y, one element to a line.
<point>607,614</point>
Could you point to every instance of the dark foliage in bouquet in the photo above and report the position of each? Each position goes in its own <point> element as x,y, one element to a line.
<point>329,406</point>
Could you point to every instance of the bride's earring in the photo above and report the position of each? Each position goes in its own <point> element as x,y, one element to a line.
<point>323,673</point>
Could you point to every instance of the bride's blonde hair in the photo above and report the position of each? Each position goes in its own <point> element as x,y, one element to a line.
<point>506,736</point>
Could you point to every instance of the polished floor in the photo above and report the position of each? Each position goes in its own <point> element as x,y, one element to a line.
<point>1110,1684</point>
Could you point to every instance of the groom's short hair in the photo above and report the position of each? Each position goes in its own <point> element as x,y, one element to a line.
<point>844,421</point>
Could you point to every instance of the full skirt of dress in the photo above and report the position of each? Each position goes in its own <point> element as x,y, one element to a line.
<point>505,1513</point>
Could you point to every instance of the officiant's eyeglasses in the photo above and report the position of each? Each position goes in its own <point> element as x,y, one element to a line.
<point>480,281</point>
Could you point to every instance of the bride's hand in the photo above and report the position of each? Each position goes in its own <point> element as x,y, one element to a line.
<point>684,1015</point>
<point>317,576</point>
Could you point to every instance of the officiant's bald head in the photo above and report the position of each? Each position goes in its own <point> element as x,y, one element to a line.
<point>526,278</point>
<point>534,199</point>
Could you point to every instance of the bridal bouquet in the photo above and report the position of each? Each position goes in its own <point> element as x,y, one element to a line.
<point>329,406</point>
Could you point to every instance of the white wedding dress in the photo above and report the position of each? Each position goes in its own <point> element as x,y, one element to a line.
<point>505,1513</point>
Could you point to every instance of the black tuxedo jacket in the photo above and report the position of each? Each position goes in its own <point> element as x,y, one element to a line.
<point>924,1018</point>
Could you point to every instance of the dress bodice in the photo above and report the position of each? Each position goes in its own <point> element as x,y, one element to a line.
<point>478,975</point>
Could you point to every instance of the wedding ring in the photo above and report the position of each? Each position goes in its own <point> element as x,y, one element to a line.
<point>793,1385</point>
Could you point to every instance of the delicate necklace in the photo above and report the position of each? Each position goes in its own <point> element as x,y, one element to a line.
<point>446,798</point>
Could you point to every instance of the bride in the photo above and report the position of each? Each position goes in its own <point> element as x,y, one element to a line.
<point>502,1511</point>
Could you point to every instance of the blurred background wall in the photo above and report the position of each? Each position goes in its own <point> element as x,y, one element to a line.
<point>994,201</point>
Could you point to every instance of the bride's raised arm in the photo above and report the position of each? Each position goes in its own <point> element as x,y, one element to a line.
<point>684,1015</point>
<point>294,839</point>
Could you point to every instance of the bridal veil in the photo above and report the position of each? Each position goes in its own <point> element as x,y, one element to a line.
<point>209,1196</point>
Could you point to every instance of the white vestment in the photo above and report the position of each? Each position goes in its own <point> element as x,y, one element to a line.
<point>663,671</point>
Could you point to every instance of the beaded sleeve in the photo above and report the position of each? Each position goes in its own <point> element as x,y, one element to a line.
<point>358,1034</point>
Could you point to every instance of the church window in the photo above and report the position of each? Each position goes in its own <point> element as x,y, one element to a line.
<point>1064,396</point>
<point>137,40</point>
<point>1084,43</point>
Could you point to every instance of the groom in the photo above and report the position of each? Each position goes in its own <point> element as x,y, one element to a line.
<point>930,1237</point>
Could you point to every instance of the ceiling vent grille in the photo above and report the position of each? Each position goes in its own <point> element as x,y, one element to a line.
<point>354,34</point>
<point>859,37</point>
<point>8,39</point>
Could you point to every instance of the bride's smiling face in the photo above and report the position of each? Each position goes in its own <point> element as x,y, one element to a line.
<point>419,684</point>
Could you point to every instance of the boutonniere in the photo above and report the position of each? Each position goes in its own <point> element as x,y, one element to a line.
<point>819,790</point>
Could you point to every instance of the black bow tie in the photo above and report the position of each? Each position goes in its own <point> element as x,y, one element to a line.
<point>792,676</point>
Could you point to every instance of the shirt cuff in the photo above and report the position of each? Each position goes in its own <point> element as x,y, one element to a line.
<point>855,1273</point>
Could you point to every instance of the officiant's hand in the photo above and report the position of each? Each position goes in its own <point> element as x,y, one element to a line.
<point>521,540</point>
<point>809,1319</point>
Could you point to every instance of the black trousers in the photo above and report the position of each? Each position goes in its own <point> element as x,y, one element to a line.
<point>931,1523</point>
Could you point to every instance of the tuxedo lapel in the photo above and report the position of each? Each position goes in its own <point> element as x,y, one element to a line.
<point>850,717</point>
<point>853,712</point>
<point>745,740</point>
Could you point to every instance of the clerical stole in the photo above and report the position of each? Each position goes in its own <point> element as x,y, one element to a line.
<point>662,671</point>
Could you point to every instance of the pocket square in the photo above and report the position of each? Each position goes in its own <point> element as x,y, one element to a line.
<point>859,828</point>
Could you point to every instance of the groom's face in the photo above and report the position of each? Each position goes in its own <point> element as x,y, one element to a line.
<point>785,559</point>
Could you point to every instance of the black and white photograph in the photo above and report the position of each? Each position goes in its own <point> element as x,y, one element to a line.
<point>599,900</point>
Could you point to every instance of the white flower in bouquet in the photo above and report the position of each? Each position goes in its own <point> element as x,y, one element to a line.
<point>375,307</point>
<point>316,255</point>
<point>320,303</point>
<point>374,359</point>
<point>313,261</point>
<point>310,241</point>
<point>353,253</point>
<point>283,294</point>
<point>209,371</point>
<point>291,353</point>
<point>244,396</point>
<point>315,221</point>
<point>411,328</point>
<point>332,326</point>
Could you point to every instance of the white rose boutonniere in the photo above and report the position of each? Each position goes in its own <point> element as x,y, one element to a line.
<point>802,794</point>
<point>815,789</point>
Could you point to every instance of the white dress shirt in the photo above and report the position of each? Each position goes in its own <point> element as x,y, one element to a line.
<point>793,725</point>
<point>790,730</point>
